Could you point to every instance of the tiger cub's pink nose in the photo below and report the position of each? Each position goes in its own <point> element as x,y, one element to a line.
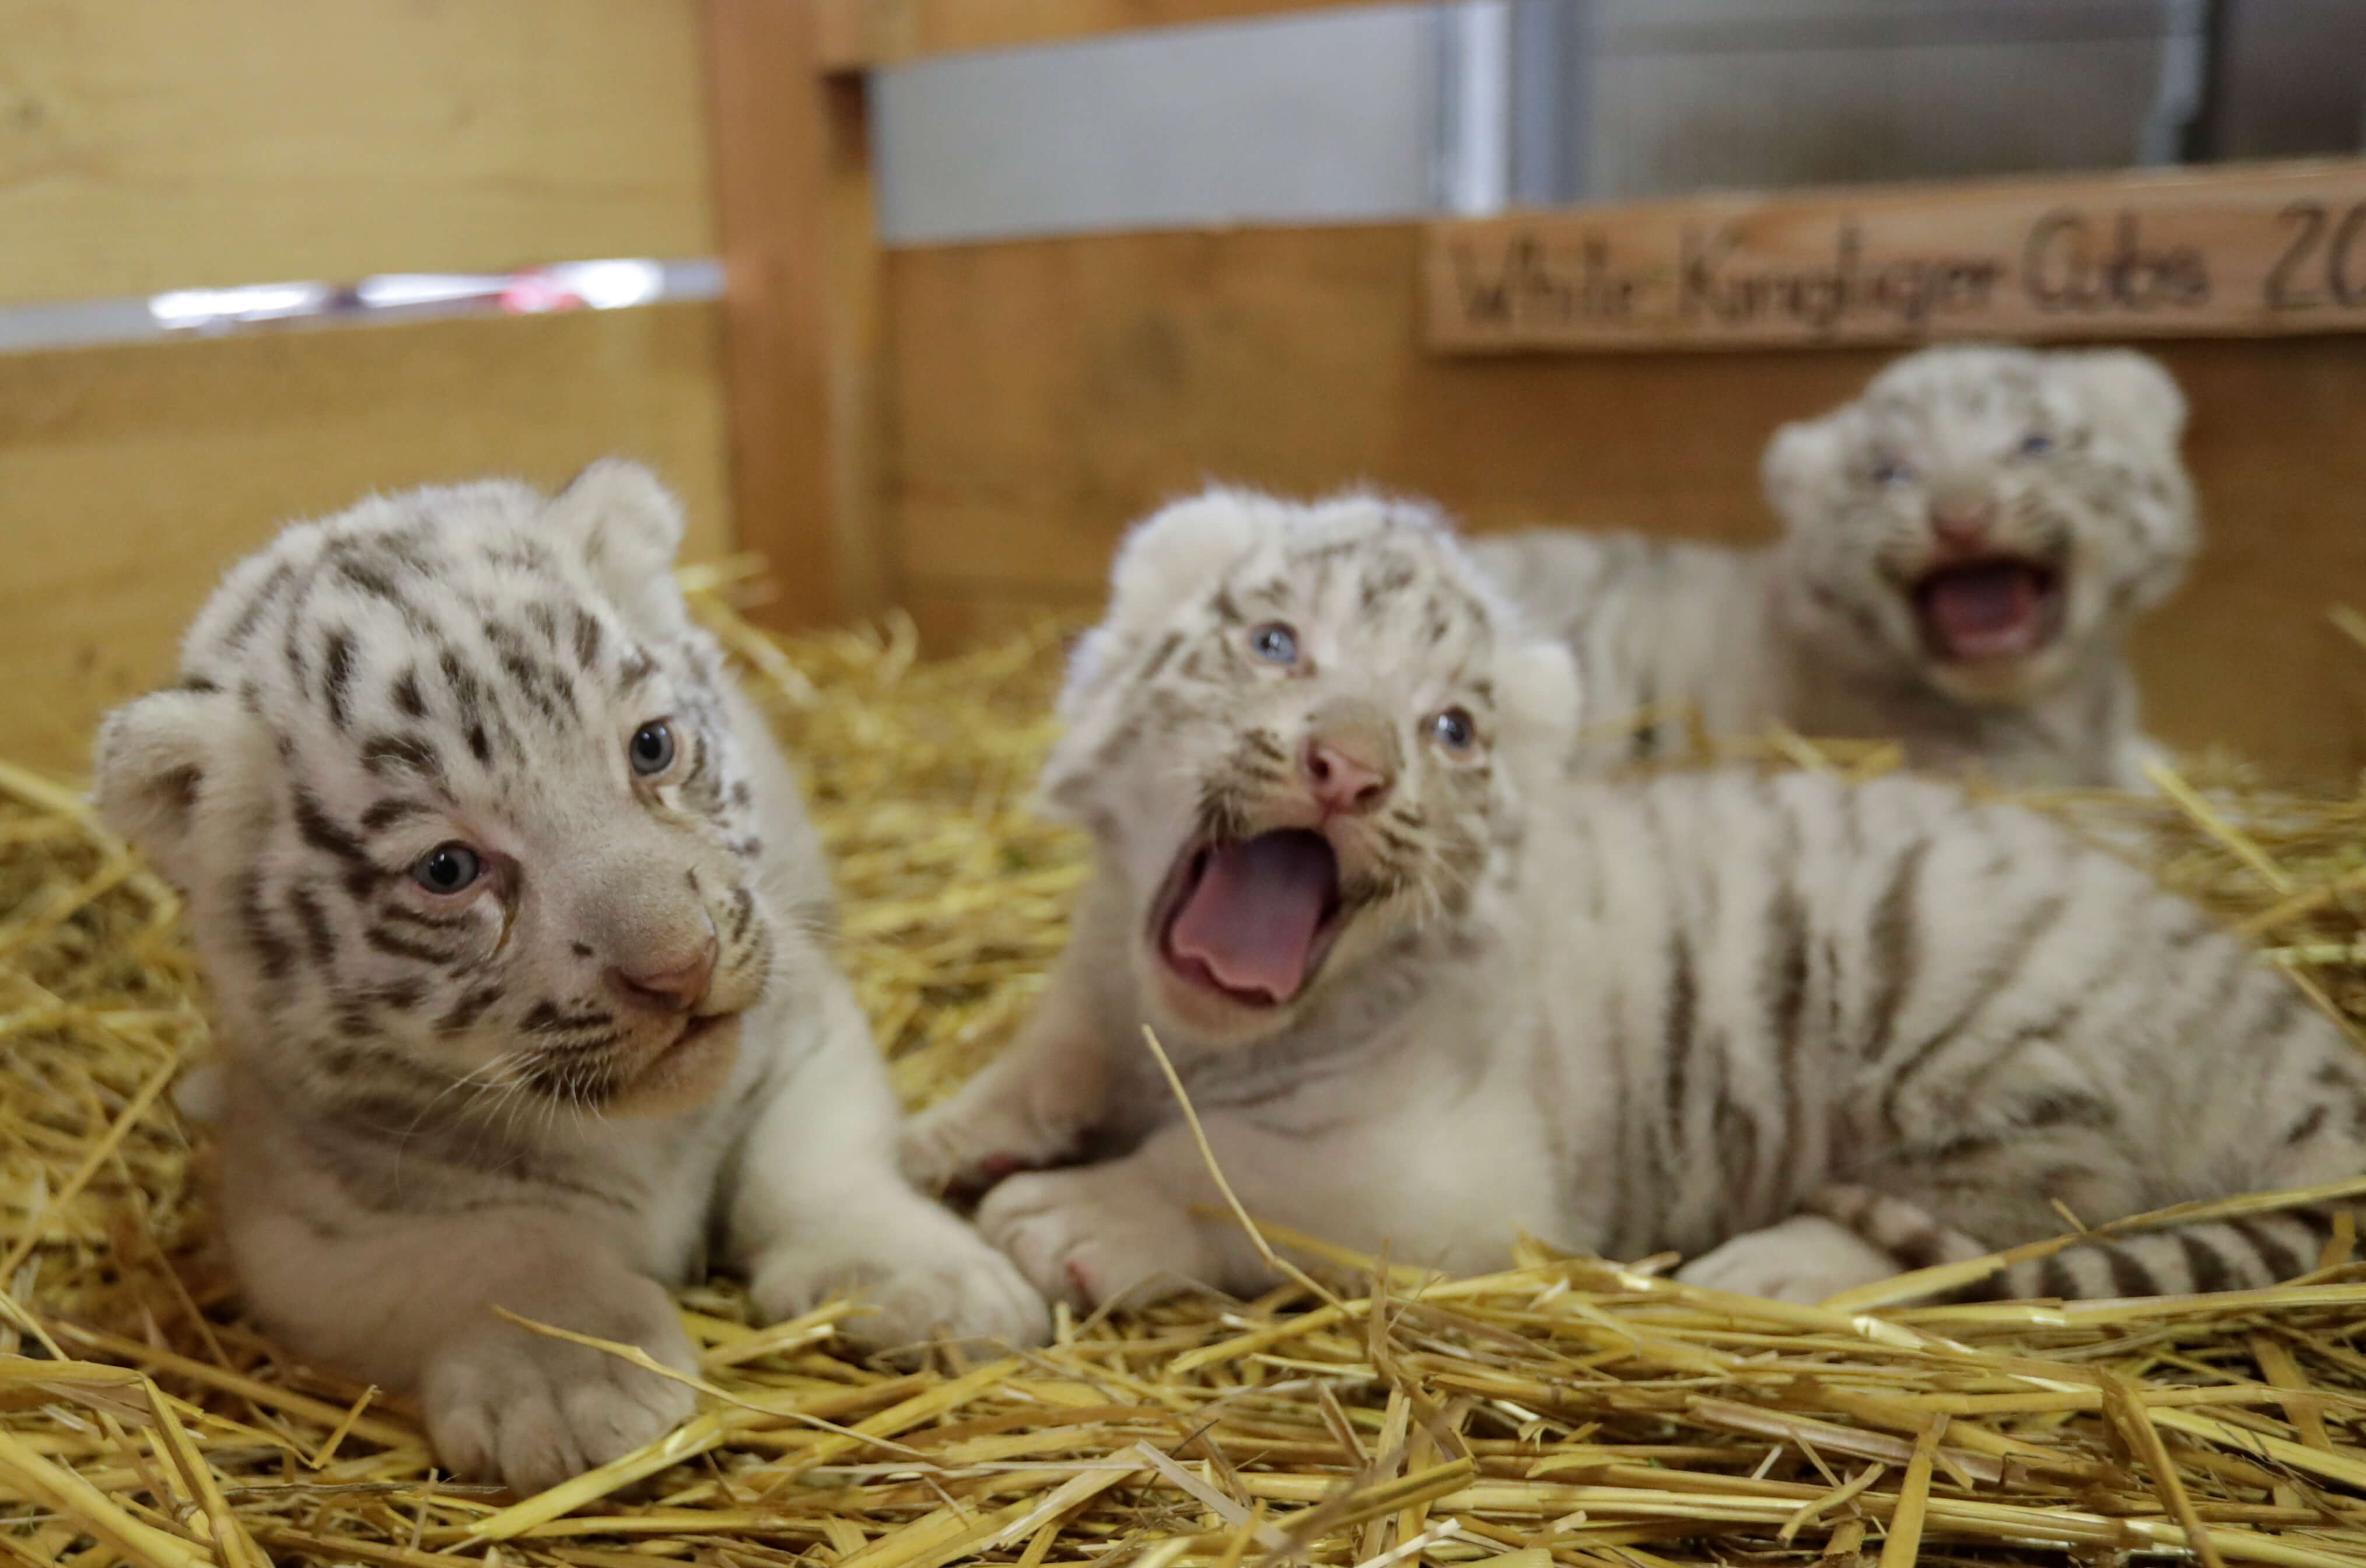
<point>664,986</point>
<point>1963,521</point>
<point>1341,781</point>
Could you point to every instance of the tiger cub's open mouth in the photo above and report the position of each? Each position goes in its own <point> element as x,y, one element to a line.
<point>1250,919</point>
<point>1997,607</point>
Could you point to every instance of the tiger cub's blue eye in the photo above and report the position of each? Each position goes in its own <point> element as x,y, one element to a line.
<point>1453,729</point>
<point>1891,471</point>
<point>448,869</point>
<point>2036,444</point>
<point>1275,643</point>
<point>652,747</point>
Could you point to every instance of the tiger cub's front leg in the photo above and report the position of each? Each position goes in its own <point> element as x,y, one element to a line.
<point>820,1209</point>
<point>1844,1236</point>
<point>1032,1106</point>
<point>408,1300</point>
<point>1125,1230</point>
<point>1155,1221</point>
<point>1805,1258</point>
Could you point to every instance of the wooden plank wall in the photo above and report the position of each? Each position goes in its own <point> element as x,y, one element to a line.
<point>132,477</point>
<point>151,147</point>
<point>1029,399</point>
<point>1046,392</point>
<point>146,147</point>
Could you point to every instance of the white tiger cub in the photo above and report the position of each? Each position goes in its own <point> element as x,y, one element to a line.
<point>517,932</point>
<point>1424,987</point>
<point>1964,548</point>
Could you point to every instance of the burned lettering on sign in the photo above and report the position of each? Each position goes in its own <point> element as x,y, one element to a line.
<point>2062,269</point>
<point>1907,292</point>
<point>2234,251</point>
<point>1534,284</point>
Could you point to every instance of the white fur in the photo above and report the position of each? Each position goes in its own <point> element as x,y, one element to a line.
<point>1817,633</point>
<point>1798,1030</point>
<point>434,1105</point>
<point>1805,1258</point>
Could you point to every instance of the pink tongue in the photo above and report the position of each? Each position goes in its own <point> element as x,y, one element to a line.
<point>1252,919</point>
<point>1979,610</point>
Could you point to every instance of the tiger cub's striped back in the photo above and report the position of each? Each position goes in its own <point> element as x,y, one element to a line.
<point>1942,1024</point>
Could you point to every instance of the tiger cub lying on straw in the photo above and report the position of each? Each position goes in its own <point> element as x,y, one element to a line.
<point>513,915</point>
<point>1966,547</point>
<point>1425,989</point>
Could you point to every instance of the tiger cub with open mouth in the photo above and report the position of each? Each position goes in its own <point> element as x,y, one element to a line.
<point>1965,549</point>
<point>1427,989</point>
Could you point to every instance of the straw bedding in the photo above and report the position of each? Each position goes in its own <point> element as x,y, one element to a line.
<point>1566,1412</point>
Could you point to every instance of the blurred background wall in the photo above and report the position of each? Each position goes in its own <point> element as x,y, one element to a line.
<point>261,259</point>
<point>1127,263</point>
<point>175,177</point>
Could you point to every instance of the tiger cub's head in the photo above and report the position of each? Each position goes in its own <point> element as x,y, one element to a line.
<point>1304,736</point>
<point>1989,517</point>
<point>452,789</point>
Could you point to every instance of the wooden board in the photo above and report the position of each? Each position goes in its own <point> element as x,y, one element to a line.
<point>1111,372</point>
<point>133,476</point>
<point>2267,249</point>
<point>146,147</point>
<point>860,33</point>
<point>800,253</point>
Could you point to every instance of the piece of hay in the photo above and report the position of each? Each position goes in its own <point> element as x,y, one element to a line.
<point>1562,1411</point>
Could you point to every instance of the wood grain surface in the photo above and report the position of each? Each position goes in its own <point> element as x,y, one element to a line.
<point>2269,249</point>
<point>133,476</point>
<point>152,146</point>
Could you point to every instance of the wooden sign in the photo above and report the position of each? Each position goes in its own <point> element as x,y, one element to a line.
<point>2239,251</point>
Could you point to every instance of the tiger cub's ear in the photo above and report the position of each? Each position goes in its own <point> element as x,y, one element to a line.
<point>1180,549</point>
<point>160,757</point>
<point>1797,468</point>
<point>628,528</point>
<point>1166,559</point>
<point>2128,391</point>
<point>1175,552</point>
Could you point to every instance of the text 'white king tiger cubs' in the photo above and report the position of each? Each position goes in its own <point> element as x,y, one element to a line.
<point>1965,549</point>
<point>517,934</point>
<point>1425,989</point>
